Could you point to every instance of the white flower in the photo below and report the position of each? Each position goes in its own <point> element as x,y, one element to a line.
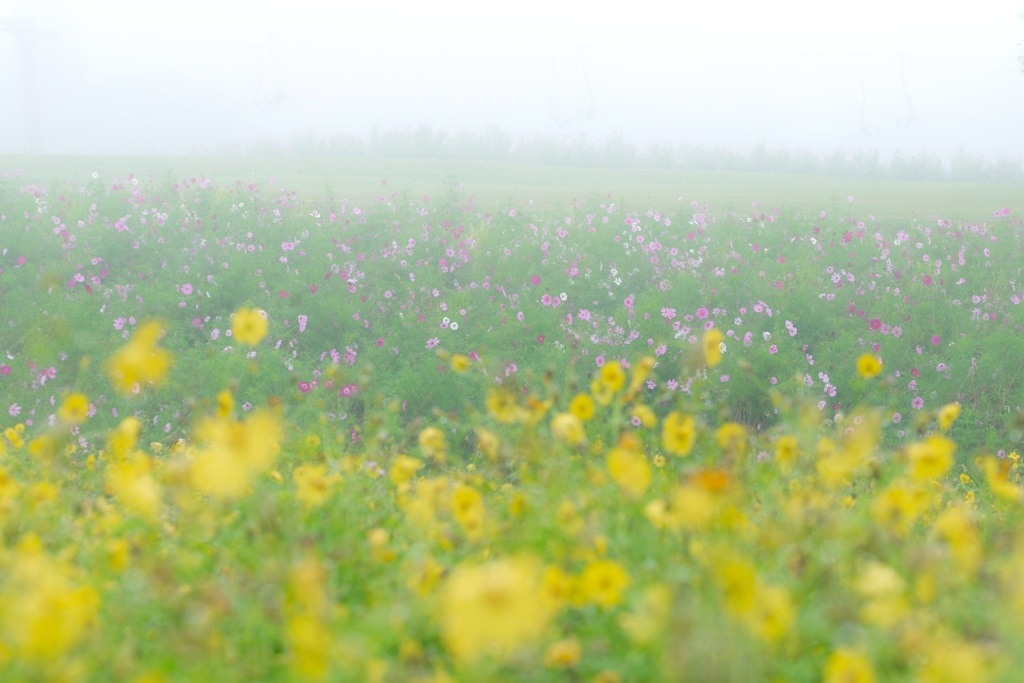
<point>263,314</point>
<point>721,346</point>
<point>445,320</point>
<point>453,326</point>
<point>767,336</point>
<point>614,272</point>
<point>563,296</point>
<point>135,181</point>
<point>95,174</point>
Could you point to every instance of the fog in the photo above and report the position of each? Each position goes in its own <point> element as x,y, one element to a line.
<point>119,77</point>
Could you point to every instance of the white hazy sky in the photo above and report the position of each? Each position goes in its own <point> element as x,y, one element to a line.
<point>122,76</point>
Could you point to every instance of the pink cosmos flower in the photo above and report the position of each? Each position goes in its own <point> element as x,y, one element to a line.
<point>186,289</point>
<point>197,322</point>
<point>302,322</point>
<point>215,334</point>
<point>875,324</point>
<point>540,338</point>
<point>917,403</point>
<point>380,342</point>
<point>535,280</point>
<point>935,340</point>
<point>896,417</point>
<point>14,410</point>
<point>599,360</point>
<point>5,370</point>
<point>702,313</point>
<point>304,387</point>
<point>773,349</point>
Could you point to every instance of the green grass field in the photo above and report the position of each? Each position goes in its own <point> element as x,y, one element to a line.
<point>277,420</point>
<point>492,182</point>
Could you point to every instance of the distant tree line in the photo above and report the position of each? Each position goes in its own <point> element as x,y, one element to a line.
<point>424,142</point>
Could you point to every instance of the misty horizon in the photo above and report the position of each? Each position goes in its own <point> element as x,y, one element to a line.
<point>118,79</point>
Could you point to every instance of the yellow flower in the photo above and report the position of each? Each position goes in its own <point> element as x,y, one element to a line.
<point>647,417</point>
<point>234,452</point>
<point>738,583</point>
<point>772,614</point>
<point>582,407</point>
<point>869,366</point>
<point>225,403</point>
<point>123,439</point>
<point>641,370</point>
<point>628,467</point>
<point>931,459</point>
<point>74,409</point>
<point>42,613</point>
<point>787,448</point>
<point>567,428</point>
<point>948,415</point>
<point>997,474</point>
<point>487,442</point>
<point>134,487</point>
<point>503,406</point>
<point>613,376</point>
<point>493,609</point>
<point>460,363</point>
<point>249,326</point>
<point>848,666</point>
<point>678,433</point>
<point>563,654</point>
<point>732,438</point>
<point>140,361</point>
<point>312,484</point>
<point>898,507</point>
<point>603,582</point>
<point>468,510</point>
<point>712,347</point>
<point>403,469</point>
<point>951,660</point>
<point>432,443</point>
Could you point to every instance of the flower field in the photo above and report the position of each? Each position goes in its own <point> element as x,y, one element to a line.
<point>251,435</point>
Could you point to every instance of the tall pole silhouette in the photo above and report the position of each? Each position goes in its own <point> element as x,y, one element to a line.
<point>23,27</point>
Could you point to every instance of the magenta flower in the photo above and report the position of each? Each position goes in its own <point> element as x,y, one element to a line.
<point>540,338</point>
<point>380,342</point>
<point>702,313</point>
<point>304,387</point>
<point>935,340</point>
<point>197,322</point>
<point>875,324</point>
<point>5,370</point>
<point>535,280</point>
<point>431,343</point>
<point>546,299</point>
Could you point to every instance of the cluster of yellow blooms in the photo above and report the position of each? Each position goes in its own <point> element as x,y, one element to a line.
<point>587,535</point>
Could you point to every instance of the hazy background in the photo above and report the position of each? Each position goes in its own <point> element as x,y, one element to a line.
<point>130,77</point>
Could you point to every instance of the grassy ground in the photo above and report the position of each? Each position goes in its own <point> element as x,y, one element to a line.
<point>492,182</point>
